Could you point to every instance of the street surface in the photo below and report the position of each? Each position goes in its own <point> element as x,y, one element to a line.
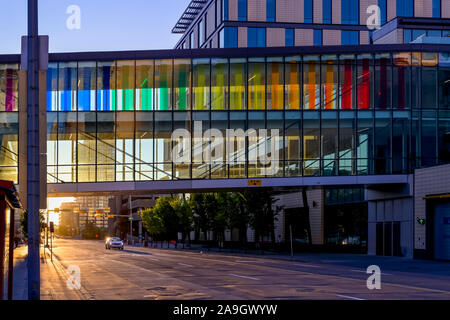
<point>139,273</point>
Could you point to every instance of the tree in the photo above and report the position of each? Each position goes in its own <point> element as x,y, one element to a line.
<point>24,222</point>
<point>183,210</point>
<point>201,221</point>
<point>238,215</point>
<point>263,215</point>
<point>153,223</point>
<point>92,232</point>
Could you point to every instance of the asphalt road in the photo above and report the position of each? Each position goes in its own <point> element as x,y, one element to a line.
<point>142,273</point>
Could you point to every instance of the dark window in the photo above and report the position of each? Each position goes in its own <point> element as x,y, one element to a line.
<point>379,249</point>
<point>383,11</point>
<point>242,10</point>
<point>327,11</point>
<point>388,239</point>
<point>436,8</point>
<point>308,17</point>
<point>405,8</point>
<point>256,37</point>
<point>350,11</point>
<point>349,37</point>
<point>271,10</point>
<point>318,37</point>
<point>230,37</point>
<point>225,10</point>
<point>289,34</point>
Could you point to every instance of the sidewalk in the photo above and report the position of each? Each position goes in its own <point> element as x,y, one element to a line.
<point>53,278</point>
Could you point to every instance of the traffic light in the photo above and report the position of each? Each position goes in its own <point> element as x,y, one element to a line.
<point>421,221</point>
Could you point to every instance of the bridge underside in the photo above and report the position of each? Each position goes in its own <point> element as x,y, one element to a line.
<point>192,186</point>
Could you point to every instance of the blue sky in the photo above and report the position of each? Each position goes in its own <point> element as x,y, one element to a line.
<point>105,24</point>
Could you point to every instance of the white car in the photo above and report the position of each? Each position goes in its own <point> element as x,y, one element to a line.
<point>114,242</point>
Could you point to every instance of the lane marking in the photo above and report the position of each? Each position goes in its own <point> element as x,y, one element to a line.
<point>186,265</point>
<point>362,271</point>
<point>245,277</point>
<point>307,266</point>
<point>349,297</point>
<point>248,261</point>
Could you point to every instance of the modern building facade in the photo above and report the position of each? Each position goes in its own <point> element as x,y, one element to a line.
<point>282,23</point>
<point>349,123</point>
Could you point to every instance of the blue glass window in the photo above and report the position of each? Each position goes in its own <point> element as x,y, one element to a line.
<point>256,37</point>
<point>242,10</point>
<point>327,11</point>
<point>271,10</point>
<point>225,10</point>
<point>436,8</point>
<point>350,37</point>
<point>405,8</point>
<point>308,10</point>
<point>318,38</point>
<point>350,11</point>
<point>383,10</point>
<point>407,35</point>
<point>289,34</point>
<point>230,37</point>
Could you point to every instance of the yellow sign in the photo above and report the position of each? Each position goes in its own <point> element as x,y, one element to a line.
<point>254,183</point>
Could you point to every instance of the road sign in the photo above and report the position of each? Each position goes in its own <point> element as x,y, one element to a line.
<point>254,183</point>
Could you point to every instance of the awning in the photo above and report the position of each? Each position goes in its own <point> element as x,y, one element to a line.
<point>11,193</point>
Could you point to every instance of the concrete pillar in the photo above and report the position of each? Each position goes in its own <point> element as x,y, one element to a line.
<point>316,202</point>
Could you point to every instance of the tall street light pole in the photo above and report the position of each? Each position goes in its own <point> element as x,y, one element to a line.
<point>33,174</point>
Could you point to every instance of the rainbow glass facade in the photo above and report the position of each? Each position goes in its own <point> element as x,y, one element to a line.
<point>338,115</point>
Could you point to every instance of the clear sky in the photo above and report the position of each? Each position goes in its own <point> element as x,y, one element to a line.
<point>106,25</point>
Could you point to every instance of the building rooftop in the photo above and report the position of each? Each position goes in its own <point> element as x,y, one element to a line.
<point>191,12</point>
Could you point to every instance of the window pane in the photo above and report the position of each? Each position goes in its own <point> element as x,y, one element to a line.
<point>275,75</point>
<point>311,87</point>
<point>182,81</point>
<point>444,88</point>
<point>237,84</point>
<point>124,146</point>
<point>163,148</point>
<point>293,80</point>
<point>87,75</point>
<point>347,86</point>
<point>125,85</point>
<point>219,84</point>
<point>106,84</point>
<point>329,83</point>
<point>67,86</point>
<point>429,89</point>
<point>256,85</point>
<point>87,146</point>
<point>9,84</point>
<point>144,84</point>
<point>383,127</point>
<point>163,84</point>
<point>144,150</point>
<point>9,152</point>
<point>202,83</point>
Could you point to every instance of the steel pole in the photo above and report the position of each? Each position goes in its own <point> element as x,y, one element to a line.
<point>33,175</point>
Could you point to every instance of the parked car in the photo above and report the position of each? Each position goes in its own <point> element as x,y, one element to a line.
<point>114,242</point>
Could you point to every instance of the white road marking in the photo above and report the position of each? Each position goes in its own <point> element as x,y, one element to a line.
<point>245,277</point>
<point>186,265</point>
<point>307,266</point>
<point>362,271</point>
<point>349,297</point>
<point>248,261</point>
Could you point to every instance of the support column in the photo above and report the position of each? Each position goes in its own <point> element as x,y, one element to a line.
<point>316,202</point>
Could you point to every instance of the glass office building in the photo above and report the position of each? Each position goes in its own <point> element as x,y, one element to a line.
<point>337,115</point>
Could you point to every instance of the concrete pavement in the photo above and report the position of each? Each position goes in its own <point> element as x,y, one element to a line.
<point>142,273</point>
